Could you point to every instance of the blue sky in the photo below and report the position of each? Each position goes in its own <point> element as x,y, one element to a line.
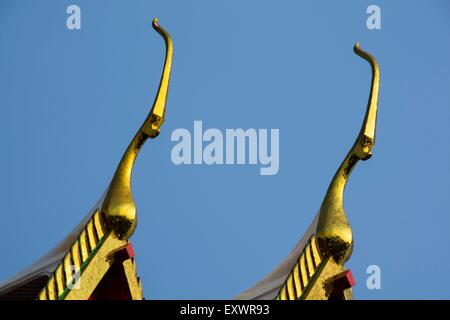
<point>71,100</point>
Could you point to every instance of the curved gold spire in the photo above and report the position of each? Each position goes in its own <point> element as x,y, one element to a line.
<point>118,208</point>
<point>333,230</point>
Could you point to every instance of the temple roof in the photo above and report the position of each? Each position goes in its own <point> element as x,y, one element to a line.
<point>315,267</point>
<point>96,259</point>
<point>44,266</point>
<point>269,287</point>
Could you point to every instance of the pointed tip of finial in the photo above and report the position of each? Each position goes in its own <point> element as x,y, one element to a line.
<point>155,22</point>
<point>357,46</point>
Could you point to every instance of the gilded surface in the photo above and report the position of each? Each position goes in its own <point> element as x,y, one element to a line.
<point>109,229</point>
<point>313,274</point>
<point>118,207</point>
<point>333,230</point>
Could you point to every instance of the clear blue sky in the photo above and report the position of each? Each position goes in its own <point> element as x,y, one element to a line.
<point>72,100</point>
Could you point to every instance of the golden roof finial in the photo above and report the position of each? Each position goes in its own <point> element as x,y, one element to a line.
<point>118,207</point>
<point>333,230</point>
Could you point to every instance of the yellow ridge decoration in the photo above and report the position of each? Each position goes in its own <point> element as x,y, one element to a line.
<point>71,263</point>
<point>302,272</point>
